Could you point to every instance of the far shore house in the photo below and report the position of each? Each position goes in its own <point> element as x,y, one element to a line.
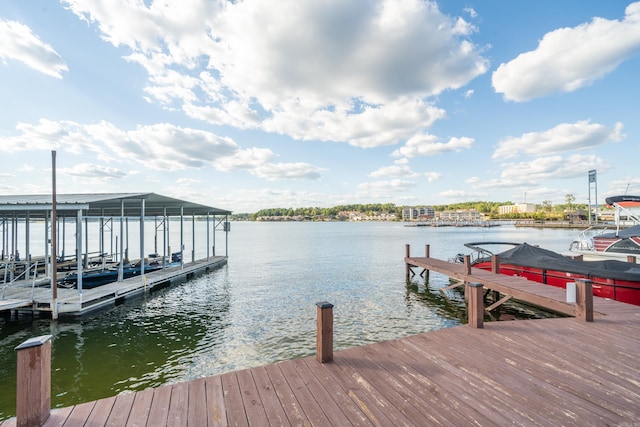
<point>418,213</point>
<point>517,208</point>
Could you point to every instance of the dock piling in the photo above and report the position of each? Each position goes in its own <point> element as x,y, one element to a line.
<point>324,332</point>
<point>495,264</point>
<point>475,308</point>
<point>33,386</point>
<point>584,300</point>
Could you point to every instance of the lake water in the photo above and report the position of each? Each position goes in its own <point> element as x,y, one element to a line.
<point>259,308</point>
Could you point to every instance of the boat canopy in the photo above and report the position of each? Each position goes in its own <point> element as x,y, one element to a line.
<point>532,256</point>
<point>624,233</point>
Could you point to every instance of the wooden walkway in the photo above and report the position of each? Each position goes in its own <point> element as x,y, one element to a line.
<point>549,372</point>
<point>548,297</point>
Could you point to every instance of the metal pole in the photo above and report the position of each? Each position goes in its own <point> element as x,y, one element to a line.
<point>193,237</point>
<point>164,237</point>
<point>54,240</point>
<point>142,238</point>
<point>208,231</point>
<point>120,264</point>
<point>79,252</point>
<point>181,236</point>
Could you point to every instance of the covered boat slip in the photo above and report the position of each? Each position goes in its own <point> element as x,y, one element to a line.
<point>26,279</point>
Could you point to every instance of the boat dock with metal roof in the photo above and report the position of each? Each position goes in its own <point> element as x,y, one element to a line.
<point>30,282</point>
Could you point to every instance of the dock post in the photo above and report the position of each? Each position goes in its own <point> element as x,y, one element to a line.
<point>475,307</point>
<point>631,258</point>
<point>407,269</point>
<point>427,250</point>
<point>324,332</point>
<point>33,385</point>
<point>584,300</point>
<point>495,264</point>
<point>467,265</point>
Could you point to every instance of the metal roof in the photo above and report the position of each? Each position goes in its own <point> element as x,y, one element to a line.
<point>106,204</point>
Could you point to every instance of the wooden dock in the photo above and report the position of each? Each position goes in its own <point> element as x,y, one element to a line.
<point>38,298</point>
<point>546,372</point>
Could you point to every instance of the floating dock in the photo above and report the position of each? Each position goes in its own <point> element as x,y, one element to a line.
<point>545,372</point>
<point>70,303</point>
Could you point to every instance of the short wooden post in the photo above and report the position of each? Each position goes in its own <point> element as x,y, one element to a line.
<point>584,300</point>
<point>475,306</point>
<point>407,251</point>
<point>427,249</point>
<point>324,332</point>
<point>467,264</point>
<point>33,385</point>
<point>631,258</point>
<point>495,264</point>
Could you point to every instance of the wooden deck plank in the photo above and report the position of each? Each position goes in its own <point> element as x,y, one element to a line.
<point>197,406</point>
<point>101,411</point>
<point>57,418</point>
<point>216,411</point>
<point>236,415</point>
<point>253,407</point>
<point>308,403</point>
<point>139,413</point>
<point>366,404</point>
<point>79,414</point>
<point>159,410</point>
<point>398,395</point>
<point>286,396</point>
<point>178,405</point>
<point>330,408</point>
<point>273,407</point>
<point>121,410</point>
<point>355,414</point>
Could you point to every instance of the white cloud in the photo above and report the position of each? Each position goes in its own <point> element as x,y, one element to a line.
<point>20,44</point>
<point>564,137</point>
<point>160,146</point>
<point>357,72</point>
<point>543,169</point>
<point>429,145</point>
<point>279,171</point>
<point>569,58</point>
<point>93,172</point>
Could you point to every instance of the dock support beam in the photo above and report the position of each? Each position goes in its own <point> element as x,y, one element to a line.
<point>584,300</point>
<point>324,332</point>
<point>33,386</point>
<point>475,307</point>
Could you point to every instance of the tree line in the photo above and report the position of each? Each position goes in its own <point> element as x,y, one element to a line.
<point>544,210</point>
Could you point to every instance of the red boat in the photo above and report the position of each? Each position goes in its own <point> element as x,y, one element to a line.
<point>616,280</point>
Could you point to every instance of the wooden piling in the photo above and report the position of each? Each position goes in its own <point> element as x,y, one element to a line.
<point>427,249</point>
<point>467,264</point>
<point>495,264</point>
<point>33,385</point>
<point>475,306</point>
<point>584,300</point>
<point>324,332</point>
<point>407,252</point>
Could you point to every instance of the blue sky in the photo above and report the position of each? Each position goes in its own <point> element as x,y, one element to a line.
<point>254,104</point>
